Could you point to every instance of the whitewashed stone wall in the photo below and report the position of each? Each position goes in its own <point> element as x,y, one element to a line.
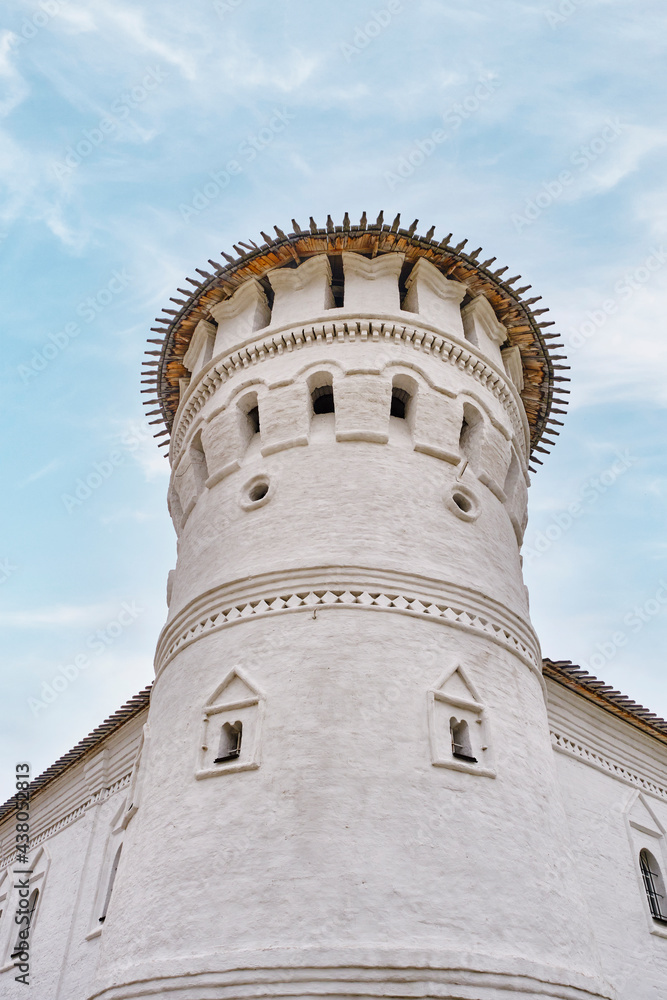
<point>610,776</point>
<point>76,825</point>
<point>348,588</point>
<point>349,585</point>
<point>614,784</point>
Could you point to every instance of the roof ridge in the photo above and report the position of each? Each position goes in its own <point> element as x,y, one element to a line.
<point>622,703</point>
<point>136,704</point>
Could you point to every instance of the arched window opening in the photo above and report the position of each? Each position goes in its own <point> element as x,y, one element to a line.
<point>253,420</point>
<point>323,399</point>
<point>175,508</point>
<point>248,409</point>
<point>112,878</point>
<point>461,746</point>
<point>470,438</point>
<point>512,477</point>
<point>20,945</point>
<point>400,399</point>
<point>199,465</point>
<point>230,742</point>
<point>654,885</point>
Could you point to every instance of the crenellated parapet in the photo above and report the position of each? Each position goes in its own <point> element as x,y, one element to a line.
<point>390,346</point>
<point>360,272</point>
<point>349,751</point>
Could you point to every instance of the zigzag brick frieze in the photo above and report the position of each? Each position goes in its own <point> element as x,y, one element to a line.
<point>574,748</point>
<point>71,817</point>
<point>306,600</point>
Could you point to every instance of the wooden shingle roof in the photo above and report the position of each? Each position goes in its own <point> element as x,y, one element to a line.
<point>543,394</point>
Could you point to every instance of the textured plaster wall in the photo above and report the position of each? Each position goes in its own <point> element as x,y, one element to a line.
<point>332,597</point>
<point>345,836</point>
<point>72,823</point>
<point>611,820</point>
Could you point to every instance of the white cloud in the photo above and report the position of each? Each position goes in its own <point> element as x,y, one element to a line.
<point>45,470</point>
<point>126,514</point>
<point>79,20</point>
<point>624,158</point>
<point>59,615</point>
<point>136,439</point>
<point>14,87</point>
<point>132,24</point>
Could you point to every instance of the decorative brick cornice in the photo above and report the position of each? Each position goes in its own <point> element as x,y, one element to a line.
<point>227,614</point>
<point>71,817</point>
<point>576,748</point>
<point>348,330</point>
<point>543,374</point>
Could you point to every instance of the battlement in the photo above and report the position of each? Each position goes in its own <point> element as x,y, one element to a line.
<point>275,297</point>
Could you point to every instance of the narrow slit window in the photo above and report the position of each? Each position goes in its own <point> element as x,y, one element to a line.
<point>470,437</point>
<point>175,508</point>
<point>323,399</point>
<point>32,906</point>
<point>399,403</point>
<point>654,886</point>
<point>230,742</point>
<point>512,478</point>
<point>112,879</point>
<point>248,417</point>
<point>461,746</point>
<point>199,465</point>
<point>253,420</point>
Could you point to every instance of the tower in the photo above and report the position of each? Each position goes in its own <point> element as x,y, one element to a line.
<point>346,785</point>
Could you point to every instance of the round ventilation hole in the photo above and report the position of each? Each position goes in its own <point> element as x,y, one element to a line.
<point>463,502</point>
<point>256,492</point>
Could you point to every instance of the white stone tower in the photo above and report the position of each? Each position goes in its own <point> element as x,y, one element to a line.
<point>346,786</point>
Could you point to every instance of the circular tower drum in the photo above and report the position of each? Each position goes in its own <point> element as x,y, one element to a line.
<point>346,786</point>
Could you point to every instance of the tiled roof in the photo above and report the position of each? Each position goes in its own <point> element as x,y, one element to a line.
<point>574,677</point>
<point>543,370</point>
<point>126,712</point>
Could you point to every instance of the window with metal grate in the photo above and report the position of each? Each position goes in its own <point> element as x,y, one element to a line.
<point>654,885</point>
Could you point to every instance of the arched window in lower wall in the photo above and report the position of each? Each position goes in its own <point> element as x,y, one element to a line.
<point>230,742</point>
<point>20,946</point>
<point>654,885</point>
<point>461,746</point>
<point>112,877</point>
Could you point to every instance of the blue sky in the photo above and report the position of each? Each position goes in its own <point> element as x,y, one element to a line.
<point>139,139</point>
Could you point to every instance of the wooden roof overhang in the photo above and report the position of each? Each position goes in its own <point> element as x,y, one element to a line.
<point>90,744</point>
<point>572,676</point>
<point>543,394</point>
